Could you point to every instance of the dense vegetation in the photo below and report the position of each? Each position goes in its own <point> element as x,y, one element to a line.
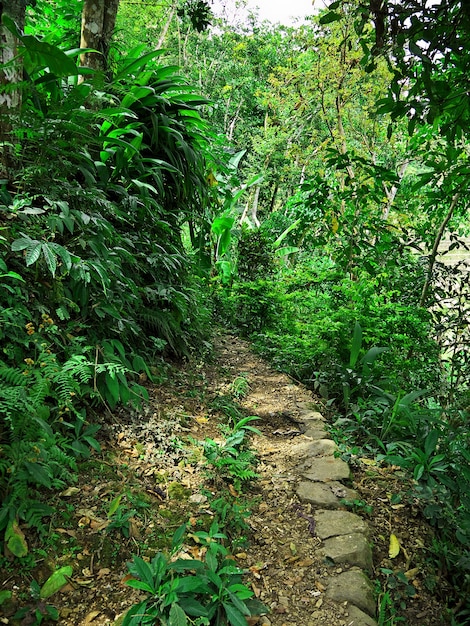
<point>295,184</point>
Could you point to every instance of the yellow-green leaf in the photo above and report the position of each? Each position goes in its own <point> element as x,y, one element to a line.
<point>394,547</point>
<point>56,581</point>
<point>113,507</point>
<point>15,540</point>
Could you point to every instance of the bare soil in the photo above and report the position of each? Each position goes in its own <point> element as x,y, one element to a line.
<point>151,477</point>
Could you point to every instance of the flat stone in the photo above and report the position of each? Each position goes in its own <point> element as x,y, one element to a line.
<point>311,449</point>
<point>308,405</point>
<point>324,469</point>
<point>318,494</point>
<point>335,523</point>
<point>353,587</point>
<point>353,549</point>
<point>307,416</point>
<point>358,617</point>
<point>315,433</point>
<point>315,429</point>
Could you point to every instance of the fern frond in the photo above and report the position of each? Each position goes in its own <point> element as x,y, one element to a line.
<point>79,368</point>
<point>12,376</point>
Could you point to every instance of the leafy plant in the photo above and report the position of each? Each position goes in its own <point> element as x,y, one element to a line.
<point>38,611</point>
<point>231,459</point>
<point>183,591</point>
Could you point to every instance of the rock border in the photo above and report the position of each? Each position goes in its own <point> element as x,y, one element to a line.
<point>344,535</point>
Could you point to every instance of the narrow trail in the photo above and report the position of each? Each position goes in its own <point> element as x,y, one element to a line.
<point>303,579</point>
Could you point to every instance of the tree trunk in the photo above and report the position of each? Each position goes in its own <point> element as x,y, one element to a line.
<point>98,21</point>
<point>11,74</point>
<point>433,255</point>
<point>254,208</point>
<point>169,19</point>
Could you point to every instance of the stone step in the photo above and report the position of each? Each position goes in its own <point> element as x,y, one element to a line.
<point>353,549</point>
<point>325,469</point>
<point>325,495</point>
<point>335,523</point>
<point>354,588</point>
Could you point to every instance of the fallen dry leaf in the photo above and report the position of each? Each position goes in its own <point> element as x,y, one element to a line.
<point>90,617</point>
<point>64,531</point>
<point>84,582</point>
<point>98,524</point>
<point>71,491</point>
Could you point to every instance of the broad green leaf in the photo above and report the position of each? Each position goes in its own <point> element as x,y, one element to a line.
<point>56,581</point>
<point>235,160</point>
<point>234,616</point>
<point>39,54</point>
<point>330,17</point>
<point>238,603</point>
<point>409,398</point>
<point>33,253</point>
<point>15,539</point>
<point>136,64</point>
<point>22,244</point>
<point>418,472</point>
<point>136,93</point>
<point>145,571</point>
<point>280,252</point>
<point>430,442</point>
<point>224,243</point>
<point>284,234</point>
<point>38,473</point>
<point>192,607</point>
<point>140,584</point>
<point>112,385</point>
<point>192,584</point>
<point>12,275</point>
<point>221,224</point>
<point>63,253</point>
<point>241,590</point>
<point>50,257</point>
<point>356,345</point>
<point>184,565</point>
<point>177,616</point>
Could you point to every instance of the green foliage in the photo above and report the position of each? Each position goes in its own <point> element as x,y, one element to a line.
<point>37,611</point>
<point>94,278</point>
<point>231,459</point>
<point>182,591</point>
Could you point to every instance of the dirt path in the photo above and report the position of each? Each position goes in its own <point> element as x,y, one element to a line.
<point>151,477</point>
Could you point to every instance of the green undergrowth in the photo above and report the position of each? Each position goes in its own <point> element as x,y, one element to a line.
<point>127,509</point>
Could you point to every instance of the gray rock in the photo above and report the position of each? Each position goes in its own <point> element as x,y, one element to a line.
<point>314,422</point>
<point>342,492</point>
<point>353,587</point>
<point>308,407</point>
<point>311,449</point>
<point>358,617</point>
<point>353,549</point>
<point>318,494</point>
<point>334,523</point>
<point>327,468</point>
<point>315,433</point>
